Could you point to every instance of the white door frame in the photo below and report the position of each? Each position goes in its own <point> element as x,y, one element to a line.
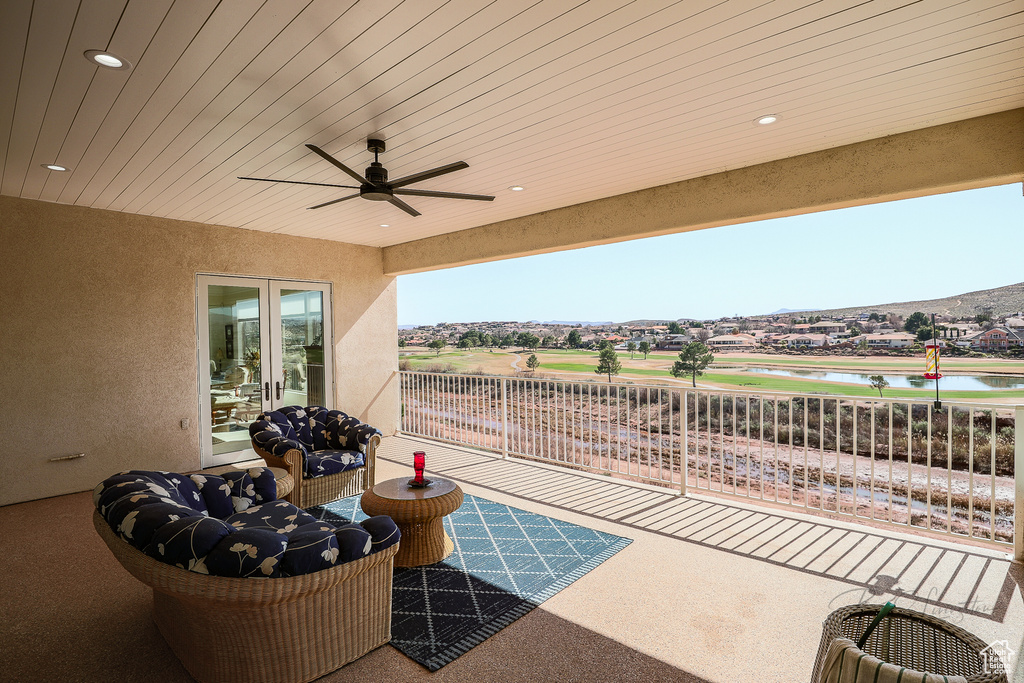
<point>276,375</point>
<point>270,352</point>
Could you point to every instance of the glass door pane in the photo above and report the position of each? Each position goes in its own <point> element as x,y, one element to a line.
<point>236,352</point>
<point>305,356</point>
<point>263,344</point>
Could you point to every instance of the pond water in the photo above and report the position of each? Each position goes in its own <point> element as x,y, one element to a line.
<point>948,382</point>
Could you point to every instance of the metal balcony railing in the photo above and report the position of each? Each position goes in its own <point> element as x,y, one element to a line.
<point>948,470</point>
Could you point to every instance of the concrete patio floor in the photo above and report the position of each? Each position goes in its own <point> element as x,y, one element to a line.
<point>711,589</point>
<point>721,589</point>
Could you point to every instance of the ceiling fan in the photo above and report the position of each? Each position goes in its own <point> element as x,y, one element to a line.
<point>375,186</point>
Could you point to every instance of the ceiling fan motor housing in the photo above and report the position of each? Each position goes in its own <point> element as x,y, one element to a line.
<point>377,189</point>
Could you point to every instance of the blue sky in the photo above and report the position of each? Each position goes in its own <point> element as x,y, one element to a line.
<point>909,250</point>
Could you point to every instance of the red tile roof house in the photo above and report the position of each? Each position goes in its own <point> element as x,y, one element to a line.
<point>998,339</point>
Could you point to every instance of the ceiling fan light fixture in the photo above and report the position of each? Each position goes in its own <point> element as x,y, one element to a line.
<point>107,59</point>
<point>54,167</point>
<point>766,120</point>
<point>376,187</point>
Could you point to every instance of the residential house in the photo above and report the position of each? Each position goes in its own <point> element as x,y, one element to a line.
<point>673,342</point>
<point>886,340</point>
<point>732,342</point>
<point>832,329</point>
<point>802,340</point>
<point>998,339</point>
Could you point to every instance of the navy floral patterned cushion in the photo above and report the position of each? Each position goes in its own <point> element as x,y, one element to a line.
<point>274,421</point>
<point>279,516</point>
<point>134,481</point>
<point>310,550</point>
<point>124,506</point>
<point>345,432</point>
<point>322,463</point>
<point>187,542</point>
<point>216,494</point>
<point>264,484</point>
<point>318,419</point>
<point>248,553</point>
<point>139,526</point>
<point>354,542</point>
<point>152,511</point>
<point>383,531</point>
<point>300,423</point>
<point>275,444</point>
<point>243,491</point>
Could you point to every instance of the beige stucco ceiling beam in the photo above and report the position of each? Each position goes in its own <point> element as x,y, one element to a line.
<point>978,152</point>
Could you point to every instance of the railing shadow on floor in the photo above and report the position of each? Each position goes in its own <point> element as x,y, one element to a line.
<point>945,581</point>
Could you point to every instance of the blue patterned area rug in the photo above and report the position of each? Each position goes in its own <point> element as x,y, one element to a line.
<point>506,562</point>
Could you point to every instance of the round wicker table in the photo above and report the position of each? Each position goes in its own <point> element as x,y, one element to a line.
<point>418,512</point>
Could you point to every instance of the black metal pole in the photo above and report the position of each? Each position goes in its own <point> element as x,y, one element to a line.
<point>935,343</point>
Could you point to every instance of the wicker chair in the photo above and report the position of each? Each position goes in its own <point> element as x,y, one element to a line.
<point>912,639</point>
<point>288,437</point>
<point>291,629</point>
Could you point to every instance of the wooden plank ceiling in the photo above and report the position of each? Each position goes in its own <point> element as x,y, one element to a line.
<point>572,100</point>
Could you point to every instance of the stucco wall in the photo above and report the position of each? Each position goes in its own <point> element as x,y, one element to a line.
<point>98,337</point>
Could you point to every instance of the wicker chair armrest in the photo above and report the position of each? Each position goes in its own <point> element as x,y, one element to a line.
<point>291,461</point>
<point>186,585</point>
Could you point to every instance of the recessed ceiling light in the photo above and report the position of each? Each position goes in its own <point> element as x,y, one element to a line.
<point>517,188</point>
<point>766,119</point>
<point>385,225</point>
<point>54,167</point>
<point>107,59</point>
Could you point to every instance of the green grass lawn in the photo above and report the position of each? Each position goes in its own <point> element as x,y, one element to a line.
<point>795,386</point>
<point>585,363</point>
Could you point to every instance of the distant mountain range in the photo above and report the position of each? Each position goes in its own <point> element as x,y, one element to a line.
<point>999,302</point>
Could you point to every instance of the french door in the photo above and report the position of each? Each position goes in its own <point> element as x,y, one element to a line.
<point>263,344</point>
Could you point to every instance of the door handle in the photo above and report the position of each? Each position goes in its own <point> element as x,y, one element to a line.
<point>266,391</point>
<point>278,388</point>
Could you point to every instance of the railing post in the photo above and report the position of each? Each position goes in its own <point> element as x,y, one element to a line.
<point>504,419</point>
<point>1018,478</point>
<point>684,456</point>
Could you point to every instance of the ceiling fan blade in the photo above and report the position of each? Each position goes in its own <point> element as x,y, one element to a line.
<point>298,182</point>
<point>333,201</point>
<point>433,173</point>
<point>447,195</point>
<point>337,163</point>
<point>404,207</point>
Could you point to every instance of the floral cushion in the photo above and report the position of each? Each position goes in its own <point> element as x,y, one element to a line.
<point>248,552</point>
<point>348,433</point>
<point>310,429</point>
<point>311,548</point>
<point>186,542</point>
<point>279,516</point>
<point>140,525</point>
<point>216,494</point>
<point>353,541</point>
<point>383,531</point>
<point>299,420</point>
<point>163,484</point>
<point>322,463</point>
<point>267,538</point>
